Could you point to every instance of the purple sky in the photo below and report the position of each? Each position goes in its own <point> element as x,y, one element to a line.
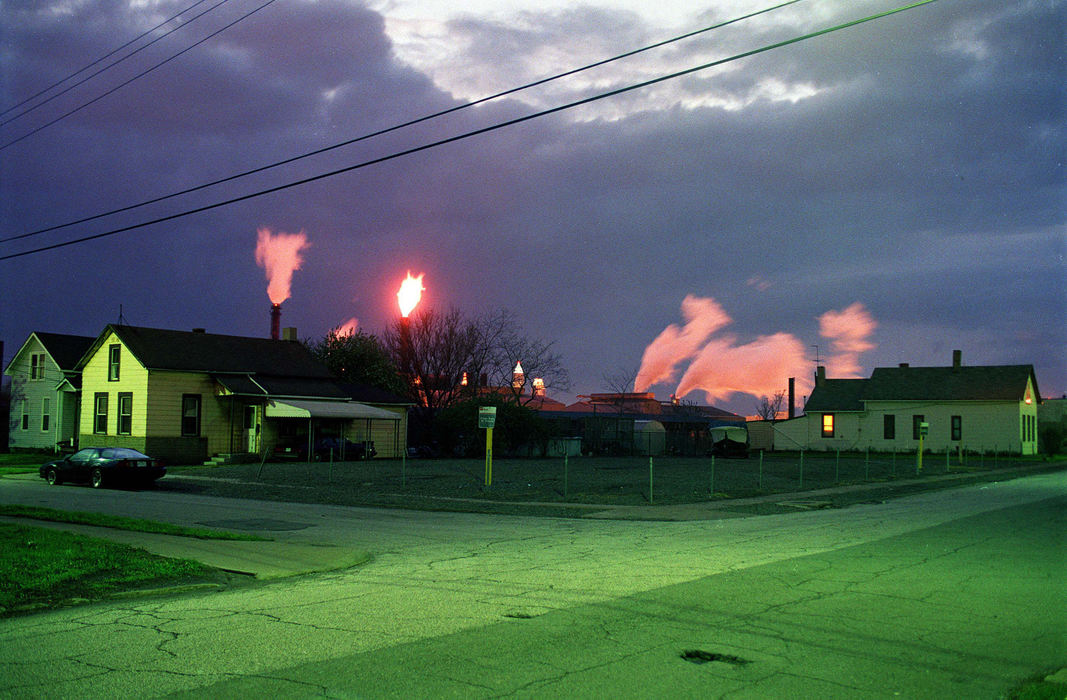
<point>908,172</point>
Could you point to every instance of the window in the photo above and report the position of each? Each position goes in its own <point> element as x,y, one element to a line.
<point>45,416</point>
<point>100,415</point>
<point>114,356</point>
<point>889,427</point>
<point>827,425</point>
<point>125,413</point>
<point>957,427</point>
<point>37,366</point>
<point>915,421</point>
<point>25,417</point>
<point>190,415</point>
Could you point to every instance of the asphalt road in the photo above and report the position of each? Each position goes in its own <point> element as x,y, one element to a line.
<point>955,593</point>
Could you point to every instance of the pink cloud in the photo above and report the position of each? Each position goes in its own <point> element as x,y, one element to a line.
<point>677,344</point>
<point>849,331</point>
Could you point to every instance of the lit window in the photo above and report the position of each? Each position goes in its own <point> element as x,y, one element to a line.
<point>827,425</point>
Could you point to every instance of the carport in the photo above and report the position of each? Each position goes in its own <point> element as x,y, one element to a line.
<point>343,411</point>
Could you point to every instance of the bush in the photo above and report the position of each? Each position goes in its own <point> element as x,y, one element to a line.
<point>456,431</point>
<point>1051,439</point>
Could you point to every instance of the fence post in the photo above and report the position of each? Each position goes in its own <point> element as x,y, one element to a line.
<point>650,501</point>
<point>565,465</point>
<point>948,464</point>
<point>761,470</point>
<point>893,466</point>
<point>713,475</point>
<point>837,467</point>
<point>802,469</point>
<point>867,464</point>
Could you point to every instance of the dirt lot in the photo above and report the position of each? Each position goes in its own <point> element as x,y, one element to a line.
<point>569,487</point>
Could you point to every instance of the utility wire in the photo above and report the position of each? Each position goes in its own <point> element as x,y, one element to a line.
<point>103,58</point>
<point>477,132</point>
<point>397,127</point>
<point>139,75</point>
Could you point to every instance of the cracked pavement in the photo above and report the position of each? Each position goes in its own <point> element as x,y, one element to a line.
<point>955,593</point>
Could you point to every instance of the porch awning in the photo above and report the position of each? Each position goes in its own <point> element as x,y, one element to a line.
<point>295,408</point>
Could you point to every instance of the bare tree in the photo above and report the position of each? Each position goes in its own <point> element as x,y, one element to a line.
<point>768,407</point>
<point>506,346</point>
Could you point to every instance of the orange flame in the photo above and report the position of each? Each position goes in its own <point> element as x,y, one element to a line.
<point>411,290</point>
<point>279,255</point>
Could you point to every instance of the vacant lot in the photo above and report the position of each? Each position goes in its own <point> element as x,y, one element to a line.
<point>566,485</point>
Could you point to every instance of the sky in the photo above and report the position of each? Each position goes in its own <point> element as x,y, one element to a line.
<point>885,193</point>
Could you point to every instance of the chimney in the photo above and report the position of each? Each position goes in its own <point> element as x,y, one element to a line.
<point>957,359</point>
<point>792,396</point>
<point>820,375</point>
<point>289,333</point>
<point>275,320</point>
<point>199,330</point>
<point>904,365</point>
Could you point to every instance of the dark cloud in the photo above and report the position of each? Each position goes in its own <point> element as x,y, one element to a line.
<point>923,179</point>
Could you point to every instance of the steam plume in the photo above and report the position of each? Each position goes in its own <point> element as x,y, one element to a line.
<point>848,331</point>
<point>279,255</point>
<point>720,367</point>
<point>348,327</point>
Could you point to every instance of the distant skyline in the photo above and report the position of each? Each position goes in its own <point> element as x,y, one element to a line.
<point>889,192</point>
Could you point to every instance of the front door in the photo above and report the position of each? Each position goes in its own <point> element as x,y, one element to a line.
<point>252,422</point>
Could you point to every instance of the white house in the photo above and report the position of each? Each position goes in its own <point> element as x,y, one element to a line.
<point>977,409</point>
<point>45,391</point>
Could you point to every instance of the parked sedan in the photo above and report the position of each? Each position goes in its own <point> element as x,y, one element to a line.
<point>98,466</point>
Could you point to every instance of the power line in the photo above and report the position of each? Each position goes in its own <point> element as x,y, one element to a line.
<point>103,58</point>
<point>397,127</point>
<point>477,132</point>
<point>136,77</point>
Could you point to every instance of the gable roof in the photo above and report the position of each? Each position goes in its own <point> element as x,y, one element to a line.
<point>988,383</point>
<point>836,395</point>
<point>65,350</point>
<point>190,351</point>
<point>246,366</point>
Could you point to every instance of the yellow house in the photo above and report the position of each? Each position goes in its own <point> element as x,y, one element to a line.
<point>981,409</point>
<point>187,396</point>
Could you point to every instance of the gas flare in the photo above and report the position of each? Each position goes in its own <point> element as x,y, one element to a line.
<point>410,293</point>
<point>279,255</point>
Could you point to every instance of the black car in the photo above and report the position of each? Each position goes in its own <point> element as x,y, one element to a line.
<point>98,466</point>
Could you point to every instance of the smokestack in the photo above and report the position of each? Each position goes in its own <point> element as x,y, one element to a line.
<point>957,359</point>
<point>820,375</point>
<point>792,396</point>
<point>275,321</point>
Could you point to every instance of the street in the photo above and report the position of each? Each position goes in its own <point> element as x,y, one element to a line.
<point>955,593</point>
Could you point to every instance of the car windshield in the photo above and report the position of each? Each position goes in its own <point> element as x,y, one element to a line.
<point>122,453</point>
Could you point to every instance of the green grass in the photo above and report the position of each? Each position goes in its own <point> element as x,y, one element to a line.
<point>23,462</point>
<point>48,568</point>
<point>121,523</point>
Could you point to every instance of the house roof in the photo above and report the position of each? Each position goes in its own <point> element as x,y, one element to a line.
<point>366,393</point>
<point>65,350</point>
<point>190,351</point>
<point>245,366</point>
<point>837,395</point>
<point>989,383</point>
<point>980,383</point>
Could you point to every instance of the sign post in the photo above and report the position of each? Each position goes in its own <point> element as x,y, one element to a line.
<point>487,421</point>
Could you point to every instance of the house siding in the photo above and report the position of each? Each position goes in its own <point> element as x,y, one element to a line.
<point>133,379</point>
<point>27,398</point>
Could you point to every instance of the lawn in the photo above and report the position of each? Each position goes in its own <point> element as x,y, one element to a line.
<point>49,568</point>
<point>22,462</point>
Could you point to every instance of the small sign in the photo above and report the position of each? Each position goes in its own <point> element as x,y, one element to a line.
<point>486,417</point>
<point>924,429</point>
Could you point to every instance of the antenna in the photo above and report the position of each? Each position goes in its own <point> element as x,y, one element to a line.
<point>817,360</point>
<point>122,319</point>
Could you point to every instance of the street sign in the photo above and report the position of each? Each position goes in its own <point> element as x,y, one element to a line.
<point>486,417</point>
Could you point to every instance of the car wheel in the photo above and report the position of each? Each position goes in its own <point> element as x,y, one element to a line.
<point>96,478</point>
<point>52,477</point>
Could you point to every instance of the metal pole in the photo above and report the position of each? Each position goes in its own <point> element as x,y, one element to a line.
<point>837,467</point>
<point>650,501</point>
<point>761,470</point>
<point>565,460</point>
<point>867,464</point>
<point>713,475</point>
<point>802,469</point>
